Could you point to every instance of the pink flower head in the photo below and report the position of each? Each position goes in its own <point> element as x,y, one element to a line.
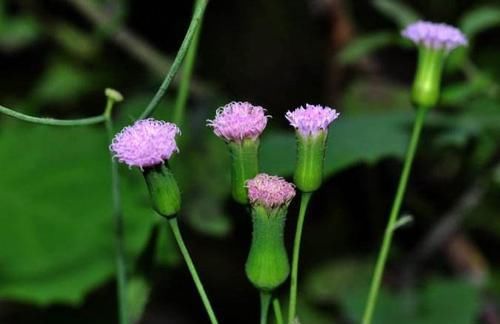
<point>146,143</point>
<point>312,119</point>
<point>435,35</point>
<point>270,191</point>
<point>237,121</point>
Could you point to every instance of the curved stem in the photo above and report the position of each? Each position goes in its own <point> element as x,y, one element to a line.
<point>189,262</point>
<point>278,315</point>
<point>304,202</point>
<point>265,300</point>
<point>389,230</point>
<point>52,121</point>
<point>121,269</point>
<point>195,21</point>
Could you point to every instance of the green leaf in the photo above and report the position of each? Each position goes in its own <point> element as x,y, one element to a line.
<point>479,20</point>
<point>56,214</point>
<point>363,46</point>
<point>398,12</point>
<point>17,33</point>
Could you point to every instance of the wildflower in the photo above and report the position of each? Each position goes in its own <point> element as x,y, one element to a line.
<point>435,42</point>
<point>311,124</point>
<point>240,125</point>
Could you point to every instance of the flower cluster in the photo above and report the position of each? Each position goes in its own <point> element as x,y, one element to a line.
<point>435,35</point>
<point>146,143</point>
<point>312,119</point>
<point>270,191</point>
<point>237,121</point>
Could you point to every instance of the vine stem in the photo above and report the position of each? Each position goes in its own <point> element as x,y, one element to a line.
<point>174,225</point>
<point>52,121</point>
<point>121,269</point>
<point>278,315</point>
<point>265,300</point>
<point>193,26</point>
<point>304,202</point>
<point>393,217</point>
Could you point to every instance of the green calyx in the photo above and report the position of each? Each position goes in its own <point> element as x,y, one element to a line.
<point>163,190</point>
<point>267,265</point>
<point>244,166</point>
<point>427,84</point>
<point>310,160</point>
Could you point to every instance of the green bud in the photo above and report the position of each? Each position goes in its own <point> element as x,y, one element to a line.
<point>310,160</point>
<point>427,84</point>
<point>244,166</point>
<point>163,190</point>
<point>267,265</point>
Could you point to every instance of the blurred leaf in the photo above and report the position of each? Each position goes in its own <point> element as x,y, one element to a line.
<point>138,291</point>
<point>17,33</point>
<point>480,19</point>
<point>75,41</point>
<point>56,229</point>
<point>362,46</point>
<point>397,11</point>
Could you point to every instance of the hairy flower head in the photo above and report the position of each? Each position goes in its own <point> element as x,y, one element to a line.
<point>237,121</point>
<point>270,191</point>
<point>146,143</point>
<point>435,35</point>
<point>311,119</point>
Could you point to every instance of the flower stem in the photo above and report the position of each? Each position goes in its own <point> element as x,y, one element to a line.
<point>52,121</point>
<point>195,21</point>
<point>189,262</point>
<point>121,269</point>
<point>389,230</point>
<point>277,311</point>
<point>265,300</point>
<point>304,201</point>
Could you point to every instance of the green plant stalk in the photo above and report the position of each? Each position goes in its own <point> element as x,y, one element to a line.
<point>187,71</point>
<point>389,230</point>
<point>121,269</point>
<point>278,315</point>
<point>174,225</point>
<point>195,21</point>
<point>304,202</point>
<point>52,121</point>
<point>265,300</point>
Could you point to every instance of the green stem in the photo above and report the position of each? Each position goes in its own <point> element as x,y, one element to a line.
<point>389,230</point>
<point>277,311</point>
<point>304,201</point>
<point>195,21</point>
<point>189,262</point>
<point>52,121</point>
<point>187,71</point>
<point>121,270</point>
<point>265,300</point>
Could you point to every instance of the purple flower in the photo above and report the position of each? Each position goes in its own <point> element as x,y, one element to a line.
<point>435,35</point>
<point>270,191</point>
<point>146,143</point>
<point>237,121</point>
<point>312,119</point>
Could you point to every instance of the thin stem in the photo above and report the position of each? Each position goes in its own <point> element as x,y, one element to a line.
<point>265,300</point>
<point>195,21</point>
<point>304,202</point>
<point>389,230</point>
<point>187,71</point>
<point>121,269</point>
<point>189,262</point>
<point>278,315</point>
<point>52,121</point>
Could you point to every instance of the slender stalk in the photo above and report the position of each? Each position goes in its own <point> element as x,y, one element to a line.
<point>278,315</point>
<point>265,301</point>
<point>52,121</point>
<point>389,230</point>
<point>304,202</point>
<point>187,71</point>
<point>195,21</point>
<point>189,262</point>
<point>121,269</point>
